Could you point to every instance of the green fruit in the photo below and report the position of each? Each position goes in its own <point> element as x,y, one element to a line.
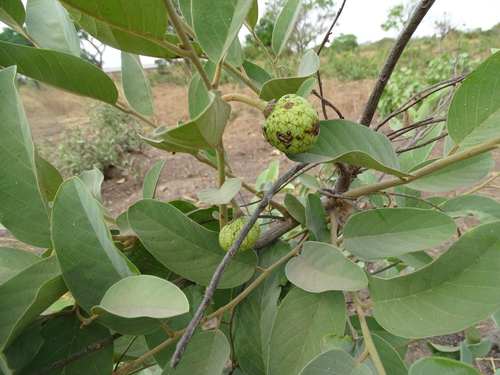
<point>293,125</point>
<point>230,232</point>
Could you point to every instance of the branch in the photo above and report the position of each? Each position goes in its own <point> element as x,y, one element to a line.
<point>420,96</point>
<point>329,32</point>
<point>418,15</point>
<point>326,102</point>
<point>181,32</point>
<point>209,292</point>
<point>242,77</point>
<point>428,121</point>
<point>423,144</point>
<point>131,112</point>
<point>425,171</point>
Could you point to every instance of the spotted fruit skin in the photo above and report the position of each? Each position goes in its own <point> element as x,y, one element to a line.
<point>292,126</point>
<point>230,232</point>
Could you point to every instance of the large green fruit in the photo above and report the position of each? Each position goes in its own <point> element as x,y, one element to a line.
<point>293,125</point>
<point>230,232</point>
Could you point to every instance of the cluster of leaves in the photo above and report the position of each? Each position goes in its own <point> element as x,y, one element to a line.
<point>107,141</point>
<point>112,295</point>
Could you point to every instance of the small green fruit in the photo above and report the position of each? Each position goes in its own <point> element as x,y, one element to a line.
<point>230,232</point>
<point>292,125</point>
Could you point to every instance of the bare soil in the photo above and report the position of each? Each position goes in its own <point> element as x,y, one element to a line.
<point>50,111</point>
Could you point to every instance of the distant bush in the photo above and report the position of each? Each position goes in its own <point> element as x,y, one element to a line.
<point>106,142</point>
<point>350,66</point>
<point>345,42</point>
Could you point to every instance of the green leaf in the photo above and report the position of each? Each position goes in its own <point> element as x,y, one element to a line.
<point>134,27</point>
<point>22,350</point>
<point>63,338</point>
<point>93,180</point>
<point>198,95</point>
<point>12,13</point>
<point>316,218</point>
<point>20,190</point>
<point>411,159</point>
<point>235,55</point>
<point>486,209</point>
<point>223,195</point>
<point>185,7</point>
<point>41,284</point>
<point>392,361</point>
<point>454,292</point>
<point>307,87</point>
<point>322,267</point>
<point>296,337</point>
<point>60,70</point>
<point>254,317</point>
<point>276,88</point>
<point>345,141</point>
<point>151,179</point>
<point>336,362</point>
<point>474,114</point>
<point>253,15</point>
<point>205,131</point>
<point>441,366</point>
<point>217,27</point>
<point>295,208</point>
<point>285,24</point>
<point>258,75</point>
<point>143,296</point>
<point>136,85</point>
<point>78,228</point>
<point>458,175</point>
<point>206,354</point>
<point>49,177</point>
<point>185,247</point>
<point>13,261</point>
<point>390,232</point>
<point>48,23</point>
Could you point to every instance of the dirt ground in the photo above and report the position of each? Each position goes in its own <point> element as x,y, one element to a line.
<point>50,111</point>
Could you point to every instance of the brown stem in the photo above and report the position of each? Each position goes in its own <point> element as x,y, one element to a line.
<point>416,18</point>
<point>423,144</point>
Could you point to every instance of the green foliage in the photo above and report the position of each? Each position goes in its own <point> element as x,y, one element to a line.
<point>107,141</point>
<point>338,273</point>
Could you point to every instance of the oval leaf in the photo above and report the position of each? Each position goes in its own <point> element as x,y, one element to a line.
<point>486,209</point>
<point>254,317</point>
<point>336,362</point>
<point>151,180</point>
<point>12,13</point>
<point>48,23</point>
<point>135,27</point>
<point>454,292</point>
<point>144,296</point>
<point>258,75</point>
<point>296,338</point>
<point>184,246</point>
<point>474,114</point>
<point>392,361</point>
<point>276,88</point>
<point>316,218</point>
<point>345,141</point>
<point>136,85</point>
<point>458,175</point>
<point>217,27</point>
<point>441,366</point>
<point>78,228</point>
<point>223,195</point>
<point>389,232</point>
<point>41,285</point>
<point>61,70</point>
<point>13,261</point>
<point>20,189</point>
<point>322,267</point>
<point>206,354</point>
<point>285,24</point>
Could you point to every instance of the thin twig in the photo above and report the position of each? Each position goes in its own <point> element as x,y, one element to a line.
<point>416,18</point>
<point>419,124</point>
<point>420,96</point>
<point>214,282</point>
<point>386,268</point>
<point>129,345</point>
<point>247,81</point>
<point>131,112</point>
<point>181,32</point>
<point>368,340</point>
<point>328,103</point>
<point>435,139</point>
<point>329,32</point>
